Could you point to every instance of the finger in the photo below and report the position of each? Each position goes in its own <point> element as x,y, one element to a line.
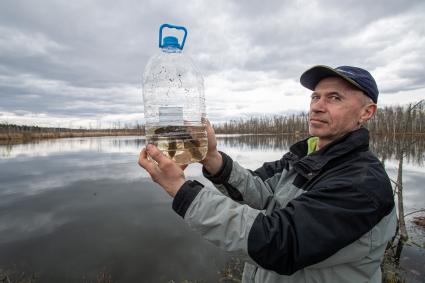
<point>156,154</point>
<point>212,143</point>
<point>206,122</point>
<point>146,163</point>
<point>209,128</point>
<point>143,159</point>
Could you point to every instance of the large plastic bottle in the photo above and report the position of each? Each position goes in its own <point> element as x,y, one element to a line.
<point>174,102</point>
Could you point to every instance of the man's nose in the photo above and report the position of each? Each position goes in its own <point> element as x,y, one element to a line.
<point>318,105</point>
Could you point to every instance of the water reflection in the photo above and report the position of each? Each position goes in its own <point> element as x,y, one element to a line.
<point>127,229</point>
<point>260,142</point>
<point>383,146</point>
<point>389,147</point>
<point>69,145</point>
<point>71,208</point>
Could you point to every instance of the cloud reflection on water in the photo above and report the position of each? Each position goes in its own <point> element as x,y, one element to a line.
<point>74,206</point>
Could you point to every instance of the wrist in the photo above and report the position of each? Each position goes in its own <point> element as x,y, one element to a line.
<point>176,187</point>
<point>213,163</point>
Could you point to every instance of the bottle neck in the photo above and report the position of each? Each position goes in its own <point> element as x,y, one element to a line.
<point>170,49</point>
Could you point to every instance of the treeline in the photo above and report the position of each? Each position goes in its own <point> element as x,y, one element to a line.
<point>388,120</point>
<point>265,125</point>
<point>12,132</point>
<point>408,119</point>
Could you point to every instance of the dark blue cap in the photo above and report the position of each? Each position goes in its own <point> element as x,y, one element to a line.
<point>357,77</point>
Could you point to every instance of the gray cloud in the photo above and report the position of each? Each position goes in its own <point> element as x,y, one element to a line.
<point>85,59</point>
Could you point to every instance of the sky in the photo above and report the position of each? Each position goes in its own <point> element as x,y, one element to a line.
<point>80,63</point>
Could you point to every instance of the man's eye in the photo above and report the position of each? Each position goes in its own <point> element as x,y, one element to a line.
<point>315,97</point>
<point>335,97</point>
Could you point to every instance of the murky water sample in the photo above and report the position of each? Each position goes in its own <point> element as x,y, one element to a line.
<point>182,144</point>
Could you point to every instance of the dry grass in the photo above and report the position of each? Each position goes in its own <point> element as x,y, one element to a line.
<point>30,136</point>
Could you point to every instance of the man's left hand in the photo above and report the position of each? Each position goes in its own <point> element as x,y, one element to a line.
<point>165,172</point>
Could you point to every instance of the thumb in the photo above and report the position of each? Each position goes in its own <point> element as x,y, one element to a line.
<point>206,122</point>
<point>209,128</point>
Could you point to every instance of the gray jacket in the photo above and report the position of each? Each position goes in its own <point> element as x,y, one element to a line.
<point>323,217</point>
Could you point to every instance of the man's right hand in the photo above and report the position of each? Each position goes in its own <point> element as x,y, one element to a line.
<point>213,160</point>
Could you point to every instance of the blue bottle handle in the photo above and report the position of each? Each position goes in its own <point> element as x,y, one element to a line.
<point>176,27</point>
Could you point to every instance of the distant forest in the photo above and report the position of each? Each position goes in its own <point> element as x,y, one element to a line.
<point>390,120</point>
<point>12,132</point>
<point>408,119</point>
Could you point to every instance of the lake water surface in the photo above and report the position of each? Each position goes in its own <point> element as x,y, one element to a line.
<point>72,210</point>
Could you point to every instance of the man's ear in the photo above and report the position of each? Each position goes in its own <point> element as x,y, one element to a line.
<point>368,111</point>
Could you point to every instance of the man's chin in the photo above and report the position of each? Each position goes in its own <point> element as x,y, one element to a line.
<point>317,132</point>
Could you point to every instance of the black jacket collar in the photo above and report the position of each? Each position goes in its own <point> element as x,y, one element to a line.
<point>311,165</point>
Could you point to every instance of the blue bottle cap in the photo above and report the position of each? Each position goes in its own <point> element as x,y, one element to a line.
<point>171,41</point>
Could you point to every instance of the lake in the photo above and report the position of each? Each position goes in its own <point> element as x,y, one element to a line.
<point>82,210</point>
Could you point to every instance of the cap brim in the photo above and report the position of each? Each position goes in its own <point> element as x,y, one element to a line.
<point>314,75</point>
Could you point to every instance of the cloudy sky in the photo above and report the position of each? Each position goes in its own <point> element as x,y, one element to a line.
<point>80,63</point>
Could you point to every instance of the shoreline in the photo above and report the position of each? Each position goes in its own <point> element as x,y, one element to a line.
<point>26,137</point>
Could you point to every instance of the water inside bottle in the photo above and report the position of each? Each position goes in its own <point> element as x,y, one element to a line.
<point>182,144</point>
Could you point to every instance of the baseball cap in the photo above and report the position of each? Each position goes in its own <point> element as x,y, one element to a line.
<point>357,77</point>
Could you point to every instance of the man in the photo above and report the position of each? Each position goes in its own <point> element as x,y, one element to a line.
<point>324,212</point>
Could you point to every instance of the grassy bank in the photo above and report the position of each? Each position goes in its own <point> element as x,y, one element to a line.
<point>20,134</point>
<point>56,135</point>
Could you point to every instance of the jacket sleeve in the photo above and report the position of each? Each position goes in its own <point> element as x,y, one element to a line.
<point>219,219</point>
<point>310,229</point>
<point>254,188</point>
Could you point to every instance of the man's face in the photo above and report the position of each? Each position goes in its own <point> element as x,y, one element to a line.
<point>335,109</point>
